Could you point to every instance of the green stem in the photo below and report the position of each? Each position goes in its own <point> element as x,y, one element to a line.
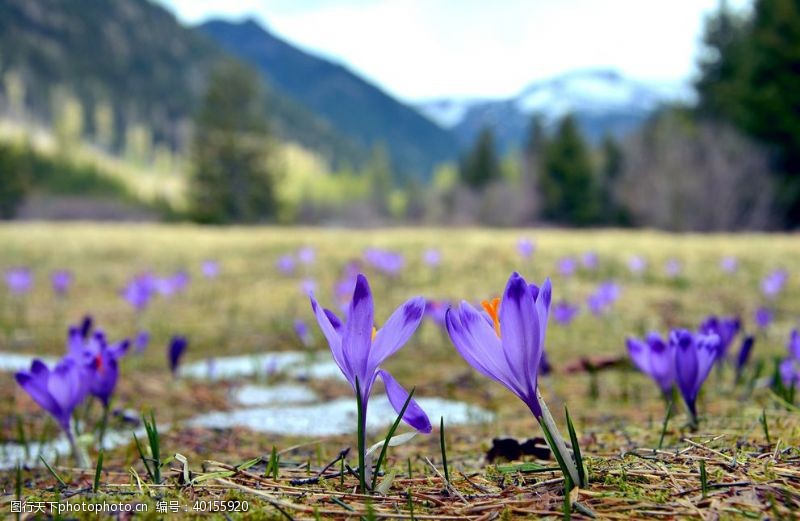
<point>558,441</point>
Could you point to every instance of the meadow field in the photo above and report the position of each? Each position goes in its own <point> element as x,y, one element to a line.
<point>257,409</point>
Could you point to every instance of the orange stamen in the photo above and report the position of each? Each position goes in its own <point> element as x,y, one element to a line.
<point>493,308</point>
<point>374,332</point>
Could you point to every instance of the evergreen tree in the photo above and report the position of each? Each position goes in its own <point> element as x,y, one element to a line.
<point>612,159</point>
<point>15,182</point>
<point>233,178</point>
<point>567,182</point>
<point>749,78</point>
<point>379,172</point>
<point>480,166</point>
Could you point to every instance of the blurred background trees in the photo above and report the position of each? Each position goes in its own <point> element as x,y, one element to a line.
<point>233,169</point>
<point>224,125</point>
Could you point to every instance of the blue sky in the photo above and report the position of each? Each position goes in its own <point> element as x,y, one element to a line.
<point>420,49</point>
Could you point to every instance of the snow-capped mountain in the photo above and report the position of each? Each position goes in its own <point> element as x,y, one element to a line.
<point>603,101</point>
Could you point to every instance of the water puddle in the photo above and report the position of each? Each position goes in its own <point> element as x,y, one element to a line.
<point>13,362</point>
<point>253,395</point>
<point>12,454</point>
<point>335,417</point>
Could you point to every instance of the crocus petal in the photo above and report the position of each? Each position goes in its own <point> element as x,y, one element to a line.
<point>640,354</point>
<point>708,347</point>
<point>542,304</point>
<point>794,344</point>
<point>414,415</point>
<point>396,331</point>
<point>331,328</point>
<point>686,365</point>
<point>34,383</point>
<point>662,361</point>
<point>357,336</point>
<point>519,325</point>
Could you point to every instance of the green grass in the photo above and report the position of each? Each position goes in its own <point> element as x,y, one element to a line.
<point>251,308</point>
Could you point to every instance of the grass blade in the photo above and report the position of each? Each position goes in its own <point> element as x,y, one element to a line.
<point>97,471</point>
<point>443,446</point>
<point>389,435</point>
<point>53,472</point>
<point>576,450</point>
<point>143,457</point>
<point>561,463</point>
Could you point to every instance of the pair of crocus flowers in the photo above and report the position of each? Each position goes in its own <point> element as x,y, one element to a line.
<point>505,343</point>
<point>685,359</point>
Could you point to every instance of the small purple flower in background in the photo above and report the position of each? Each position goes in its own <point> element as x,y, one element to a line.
<point>729,264</point>
<point>435,311</point>
<point>567,266</point>
<point>308,286</point>
<point>302,332</point>
<point>286,264</point>
<point>210,269</point>
<point>590,260</point>
<point>19,280</point>
<point>744,354</point>
<point>694,356</point>
<point>637,264</point>
<point>773,283</point>
<point>432,257</point>
<point>387,262</point>
<point>655,358</point>
<point>174,284</point>
<point>672,268</point>
<point>525,247</point>
<point>790,367</point>
<point>545,367</point>
<point>343,288</point>
<point>506,344</point>
<point>764,317</point>
<point>306,255</point>
<point>603,298</point>
<point>177,347</point>
<point>140,291</point>
<point>141,341</point>
<point>61,280</point>
<point>725,328</point>
<point>564,312</point>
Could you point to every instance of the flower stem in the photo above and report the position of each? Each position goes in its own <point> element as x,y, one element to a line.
<point>81,458</point>
<point>558,441</point>
<point>362,442</point>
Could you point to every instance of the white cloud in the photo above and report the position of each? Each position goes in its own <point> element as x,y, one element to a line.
<point>430,48</point>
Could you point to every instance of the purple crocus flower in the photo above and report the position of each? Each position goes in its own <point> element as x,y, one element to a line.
<point>790,367</point>
<point>174,284</point>
<point>99,359</point>
<point>744,354</point>
<point>306,255</point>
<point>729,264</point>
<point>507,343</point>
<point>672,268</point>
<point>567,266</point>
<point>177,347</point>
<point>655,358</point>
<point>308,286</point>
<point>141,341</point>
<point>603,298</point>
<point>773,283</point>
<point>286,264</point>
<point>359,350</point>
<point>637,264</point>
<point>725,328</point>
<point>19,280</point>
<point>61,281</point>
<point>432,257</point>
<point>210,269</point>
<point>302,332</point>
<point>58,391</point>
<point>525,247</point>
<point>763,317</point>
<point>389,263</point>
<point>695,354</point>
<point>590,260</point>
<point>140,291</point>
<point>564,312</point>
